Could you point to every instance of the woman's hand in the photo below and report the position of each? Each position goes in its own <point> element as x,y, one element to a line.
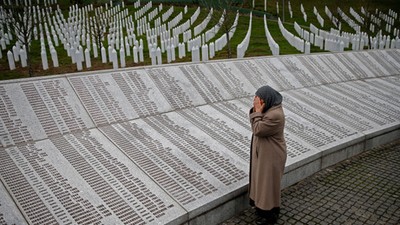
<point>258,104</point>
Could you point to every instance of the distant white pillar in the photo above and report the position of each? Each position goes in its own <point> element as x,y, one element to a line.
<point>180,51</point>
<point>307,47</point>
<point>173,58</point>
<point>95,51</point>
<point>141,57</point>
<point>54,57</point>
<point>153,56</point>
<point>110,49</point>
<point>11,62</point>
<point>88,43</point>
<point>114,59</point>
<point>45,63</point>
<point>204,52</point>
<point>128,48</point>
<point>15,53</point>
<point>22,54</point>
<point>212,50</point>
<point>73,55</point>
<point>158,55</point>
<point>3,43</point>
<point>168,54</point>
<point>78,59</point>
<point>87,58</point>
<point>103,54</point>
<point>55,40</point>
<point>122,57</point>
<point>135,55</point>
<point>195,54</point>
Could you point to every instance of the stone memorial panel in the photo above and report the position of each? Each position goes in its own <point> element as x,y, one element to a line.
<point>276,73</point>
<point>314,128</point>
<point>9,212</point>
<point>193,168</point>
<point>318,69</point>
<point>351,63</point>
<point>39,109</point>
<point>342,73</point>
<point>166,144</point>
<point>372,65</point>
<point>83,178</point>
<point>119,96</point>
<point>301,73</point>
<point>387,60</point>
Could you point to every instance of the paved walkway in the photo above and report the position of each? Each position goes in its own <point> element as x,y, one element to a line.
<point>362,190</point>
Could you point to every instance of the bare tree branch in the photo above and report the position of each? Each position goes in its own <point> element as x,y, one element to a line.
<point>20,22</point>
<point>229,10</point>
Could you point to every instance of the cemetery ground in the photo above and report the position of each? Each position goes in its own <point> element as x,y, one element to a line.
<point>361,190</point>
<point>258,43</point>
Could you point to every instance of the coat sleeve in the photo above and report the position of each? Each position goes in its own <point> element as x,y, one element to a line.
<point>264,125</point>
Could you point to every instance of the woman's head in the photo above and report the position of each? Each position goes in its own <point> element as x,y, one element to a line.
<point>270,96</point>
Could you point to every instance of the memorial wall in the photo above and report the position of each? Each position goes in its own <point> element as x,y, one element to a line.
<point>165,144</point>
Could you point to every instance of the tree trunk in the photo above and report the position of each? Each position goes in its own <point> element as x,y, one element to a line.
<point>28,59</point>
<point>228,43</point>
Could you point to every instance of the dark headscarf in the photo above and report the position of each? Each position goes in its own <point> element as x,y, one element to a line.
<point>270,97</point>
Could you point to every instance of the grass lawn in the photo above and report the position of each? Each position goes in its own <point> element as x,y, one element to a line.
<point>258,43</point>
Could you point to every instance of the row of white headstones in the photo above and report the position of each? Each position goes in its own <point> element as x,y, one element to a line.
<point>74,34</point>
<point>336,40</point>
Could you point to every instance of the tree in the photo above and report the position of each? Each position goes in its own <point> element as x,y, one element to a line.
<point>19,18</point>
<point>98,28</point>
<point>229,9</point>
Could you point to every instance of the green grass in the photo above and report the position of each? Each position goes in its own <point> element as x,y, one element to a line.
<point>258,43</point>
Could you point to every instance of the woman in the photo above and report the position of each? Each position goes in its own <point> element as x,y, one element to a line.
<point>268,154</point>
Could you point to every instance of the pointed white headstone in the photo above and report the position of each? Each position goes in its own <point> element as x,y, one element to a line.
<point>87,58</point>
<point>122,57</point>
<point>173,58</point>
<point>15,53</point>
<point>95,51</point>
<point>204,52</point>
<point>168,54</point>
<point>103,55</point>
<point>22,54</point>
<point>153,56</point>
<point>158,55</point>
<point>141,57</point>
<point>195,54</point>
<point>54,57</point>
<point>3,43</point>
<point>79,60</point>
<point>114,59</point>
<point>11,62</point>
<point>110,49</point>
<point>135,55</point>
<point>45,63</point>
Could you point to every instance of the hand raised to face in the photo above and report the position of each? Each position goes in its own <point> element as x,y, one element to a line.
<point>258,104</point>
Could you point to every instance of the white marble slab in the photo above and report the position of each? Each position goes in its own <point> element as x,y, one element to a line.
<point>84,178</point>
<point>34,110</point>
<point>167,144</point>
<point>9,211</point>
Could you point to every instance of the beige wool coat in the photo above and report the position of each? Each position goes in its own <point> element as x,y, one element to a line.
<point>268,157</point>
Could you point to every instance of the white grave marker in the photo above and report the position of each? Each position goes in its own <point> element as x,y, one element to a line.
<point>11,62</point>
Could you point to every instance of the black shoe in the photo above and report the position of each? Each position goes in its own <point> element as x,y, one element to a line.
<point>266,221</point>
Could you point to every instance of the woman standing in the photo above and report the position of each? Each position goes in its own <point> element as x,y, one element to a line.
<point>268,154</point>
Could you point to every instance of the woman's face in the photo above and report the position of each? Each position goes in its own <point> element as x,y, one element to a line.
<point>258,100</point>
